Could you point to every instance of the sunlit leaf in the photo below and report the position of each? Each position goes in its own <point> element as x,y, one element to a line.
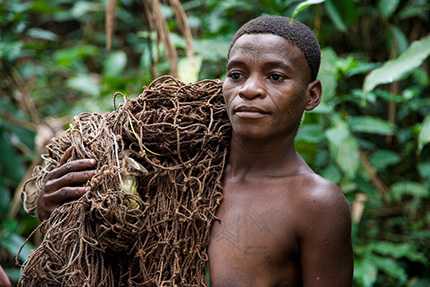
<point>304,5</point>
<point>115,64</point>
<point>81,8</point>
<point>365,272</point>
<point>424,136</point>
<point>387,7</point>
<point>84,84</point>
<point>371,125</point>
<point>398,68</point>
<point>328,74</point>
<point>188,71</point>
<point>42,34</point>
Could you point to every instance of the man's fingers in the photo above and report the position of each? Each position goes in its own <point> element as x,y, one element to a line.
<point>70,179</point>
<point>66,194</point>
<point>66,155</point>
<point>73,166</point>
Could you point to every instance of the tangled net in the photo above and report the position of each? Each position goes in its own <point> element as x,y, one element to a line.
<point>147,218</point>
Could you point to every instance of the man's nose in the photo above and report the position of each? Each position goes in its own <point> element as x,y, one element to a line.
<point>252,88</point>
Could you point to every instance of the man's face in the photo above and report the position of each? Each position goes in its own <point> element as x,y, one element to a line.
<point>266,86</point>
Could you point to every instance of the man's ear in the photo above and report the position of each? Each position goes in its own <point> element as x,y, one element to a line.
<point>313,95</point>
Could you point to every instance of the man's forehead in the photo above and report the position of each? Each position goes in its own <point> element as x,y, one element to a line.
<point>266,45</point>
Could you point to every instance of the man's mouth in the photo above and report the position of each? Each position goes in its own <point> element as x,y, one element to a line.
<point>250,112</point>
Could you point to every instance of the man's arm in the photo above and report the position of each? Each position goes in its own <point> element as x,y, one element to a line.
<point>326,252</point>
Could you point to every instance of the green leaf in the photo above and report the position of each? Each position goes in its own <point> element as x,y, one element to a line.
<point>84,7</point>
<point>84,84</point>
<point>4,198</point>
<point>42,34</point>
<point>304,5</point>
<point>387,7</point>
<point>344,149</point>
<point>383,158</point>
<point>11,164</point>
<point>398,250</point>
<point>311,133</point>
<point>365,272</point>
<point>115,64</point>
<point>371,125</point>
<point>332,173</point>
<point>393,269</point>
<point>424,135</point>
<point>410,11</point>
<point>400,38</point>
<point>12,242</point>
<point>335,16</point>
<point>398,68</point>
<point>424,170</point>
<point>415,189</point>
<point>329,77</point>
<point>10,50</point>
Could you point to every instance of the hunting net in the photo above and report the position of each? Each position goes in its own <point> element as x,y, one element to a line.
<point>147,217</point>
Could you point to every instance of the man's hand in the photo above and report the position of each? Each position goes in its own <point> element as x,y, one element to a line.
<point>64,183</point>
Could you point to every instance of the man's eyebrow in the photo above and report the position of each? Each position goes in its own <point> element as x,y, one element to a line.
<point>278,64</point>
<point>235,63</point>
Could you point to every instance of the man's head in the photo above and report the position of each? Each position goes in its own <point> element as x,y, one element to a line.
<point>296,33</point>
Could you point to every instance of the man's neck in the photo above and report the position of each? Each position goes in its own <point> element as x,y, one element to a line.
<point>264,158</point>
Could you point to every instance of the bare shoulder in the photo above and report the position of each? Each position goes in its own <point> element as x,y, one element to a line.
<point>324,233</point>
<point>322,203</point>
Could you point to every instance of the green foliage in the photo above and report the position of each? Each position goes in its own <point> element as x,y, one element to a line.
<point>370,135</point>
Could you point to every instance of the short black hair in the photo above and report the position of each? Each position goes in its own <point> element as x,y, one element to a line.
<point>296,33</point>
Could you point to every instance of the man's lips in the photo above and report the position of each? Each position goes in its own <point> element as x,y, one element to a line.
<point>250,112</point>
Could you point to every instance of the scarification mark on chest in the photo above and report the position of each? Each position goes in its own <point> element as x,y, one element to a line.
<point>245,230</point>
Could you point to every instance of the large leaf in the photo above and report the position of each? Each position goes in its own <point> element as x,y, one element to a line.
<point>328,74</point>
<point>84,84</point>
<point>398,68</point>
<point>304,5</point>
<point>371,125</point>
<point>344,149</point>
<point>387,7</point>
<point>311,133</point>
<point>334,13</point>
<point>383,158</point>
<point>424,136</point>
<point>365,272</point>
<point>13,242</point>
<point>115,64</point>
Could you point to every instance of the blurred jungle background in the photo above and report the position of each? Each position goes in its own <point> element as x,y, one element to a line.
<point>370,135</point>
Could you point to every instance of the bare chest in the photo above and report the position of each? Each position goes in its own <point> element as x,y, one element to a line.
<point>254,243</point>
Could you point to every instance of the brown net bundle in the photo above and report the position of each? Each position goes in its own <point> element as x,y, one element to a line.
<point>147,218</point>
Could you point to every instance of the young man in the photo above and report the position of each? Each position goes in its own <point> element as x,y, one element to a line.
<point>280,223</point>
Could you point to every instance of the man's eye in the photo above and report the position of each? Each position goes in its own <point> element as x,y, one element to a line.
<point>235,76</point>
<point>276,77</point>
